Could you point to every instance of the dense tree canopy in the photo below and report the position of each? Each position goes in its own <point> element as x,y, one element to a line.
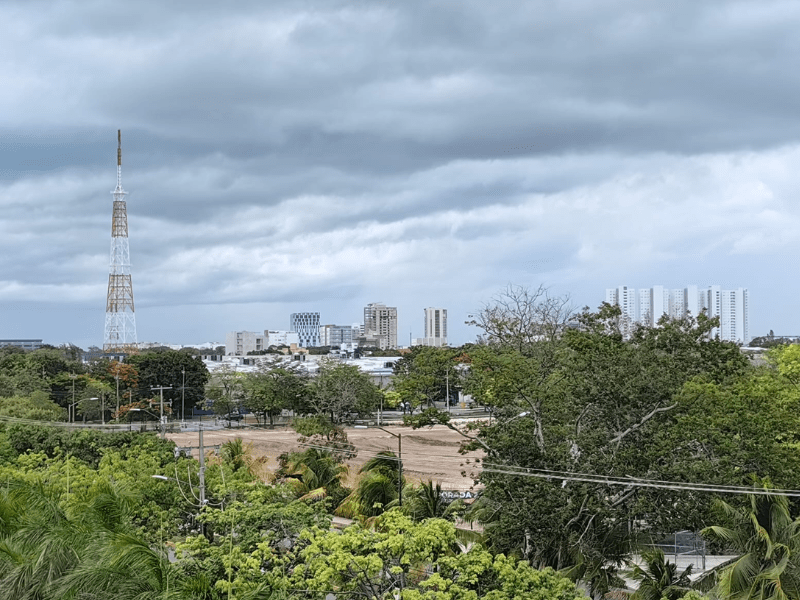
<point>342,392</point>
<point>572,396</point>
<point>170,368</point>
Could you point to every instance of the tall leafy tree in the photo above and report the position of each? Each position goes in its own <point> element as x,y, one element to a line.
<point>571,395</point>
<point>341,392</point>
<point>422,376</point>
<point>273,388</point>
<point>169,368</point>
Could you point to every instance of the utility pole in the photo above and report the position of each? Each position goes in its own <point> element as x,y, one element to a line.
<point>399,468</point>
<point>202,473</point>
<point>71,411</point>
<point>183,395</point>
<point>447,387</point>
<point>161,389</point>
<point>116,376</point>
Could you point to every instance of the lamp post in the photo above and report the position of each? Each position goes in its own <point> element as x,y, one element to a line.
<point>101,408</point>
<point>183,396</point>
<point>116,376</point>
<point>399,437</point>
<point>73,376</point>
<point>71,412</point>
<point>161,389</point>
<point>144,410</point>
<point>201,474</point>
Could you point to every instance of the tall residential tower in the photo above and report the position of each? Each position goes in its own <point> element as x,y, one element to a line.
<point>120,329</point>
<point>435,327</point>
<point>646,306</point>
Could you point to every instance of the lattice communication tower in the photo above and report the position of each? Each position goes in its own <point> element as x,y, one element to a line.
<point>120,329</point>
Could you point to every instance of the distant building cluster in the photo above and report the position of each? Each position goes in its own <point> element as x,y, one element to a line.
<point>645,306</point>
<point>378,330</point>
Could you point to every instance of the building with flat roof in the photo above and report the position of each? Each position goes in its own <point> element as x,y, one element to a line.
<point>24,344</point>
<point>241,343</point>
<point>335,335</point>
<point>306,325</point>
<point>435,327</point>
<point>380,326</point>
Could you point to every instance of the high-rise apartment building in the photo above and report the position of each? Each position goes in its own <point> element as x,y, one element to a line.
<point>380,325</point>
<point>306,325</point>
<point>435,327</point>
<point>335,335</point>
<point>647,306</point>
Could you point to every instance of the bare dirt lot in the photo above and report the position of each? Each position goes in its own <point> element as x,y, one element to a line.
<point>428,453</point>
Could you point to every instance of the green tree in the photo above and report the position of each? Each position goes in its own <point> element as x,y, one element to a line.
<point>422,561</point>
<point>422,376</point>
<point>574,396</point>
<point>315,474</point>
<point>426,501</point>
<point>341,392</point>
<point>272,389</point>
<point>169,368</point>
<point>225,389</point>
<point>378,488</point>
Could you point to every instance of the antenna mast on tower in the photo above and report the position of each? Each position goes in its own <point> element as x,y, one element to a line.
<point>120,329</point>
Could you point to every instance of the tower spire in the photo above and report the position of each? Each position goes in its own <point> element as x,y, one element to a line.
<point>119,159</point>
<point>120,327</point>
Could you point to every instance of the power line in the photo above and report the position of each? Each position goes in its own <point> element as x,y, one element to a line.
<point>631,482</point>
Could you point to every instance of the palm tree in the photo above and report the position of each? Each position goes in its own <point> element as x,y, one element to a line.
<point>378,488</point>
<point>767,540</point>
<point>658,578</point>
<point>83,551</point>
<point>316,474</point>
<point>425,501</point>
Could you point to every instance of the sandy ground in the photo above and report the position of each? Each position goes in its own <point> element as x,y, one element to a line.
<point>428,453</point>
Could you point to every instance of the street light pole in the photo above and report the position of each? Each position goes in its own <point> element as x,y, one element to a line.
<point>116,376</point>
<point>71,416</point>
<point>183,395</point>
<point>447,387</point>
<point>161,389</point>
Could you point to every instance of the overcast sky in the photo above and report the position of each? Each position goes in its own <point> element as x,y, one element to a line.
<point>320,155</point>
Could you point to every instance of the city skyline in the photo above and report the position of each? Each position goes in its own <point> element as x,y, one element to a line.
<point>319,156</point>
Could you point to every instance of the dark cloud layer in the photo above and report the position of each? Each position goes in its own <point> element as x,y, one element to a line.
<point>320,155</point>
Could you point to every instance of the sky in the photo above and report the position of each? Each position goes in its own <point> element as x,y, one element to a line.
<point>319,155</point>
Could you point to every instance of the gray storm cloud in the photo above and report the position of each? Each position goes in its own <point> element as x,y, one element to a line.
<point>326,154</point>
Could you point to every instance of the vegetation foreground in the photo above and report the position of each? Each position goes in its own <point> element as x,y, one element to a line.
<point>586,429</point>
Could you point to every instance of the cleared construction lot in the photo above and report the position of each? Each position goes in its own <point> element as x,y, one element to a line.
<point>428,453</point>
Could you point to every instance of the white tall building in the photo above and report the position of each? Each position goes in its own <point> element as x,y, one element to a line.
<point>647,306</point>
<point>435,327</point>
